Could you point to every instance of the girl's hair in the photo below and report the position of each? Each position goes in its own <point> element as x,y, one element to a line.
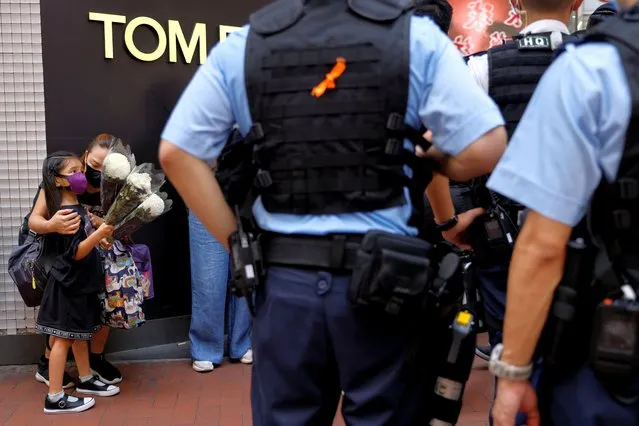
<point>50,169</point>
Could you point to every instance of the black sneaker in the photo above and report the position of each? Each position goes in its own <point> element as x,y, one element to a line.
<point>483,352</point>
<point>94,386</point>
<point>42,374</point>
<point>67,404</point>
<point>106,372</point>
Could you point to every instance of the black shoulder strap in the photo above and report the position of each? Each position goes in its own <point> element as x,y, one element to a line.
<point>622,29</point>
<point>276,16</point>
<point>380,10</point>
<point>283,14</point>
<point>570,38</point>
<point>35,199</point>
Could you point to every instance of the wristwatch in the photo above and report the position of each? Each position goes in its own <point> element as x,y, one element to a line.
<point>506,371</point>
<point>449,224</point>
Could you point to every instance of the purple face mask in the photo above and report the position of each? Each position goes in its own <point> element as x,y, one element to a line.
<point>77,183</point>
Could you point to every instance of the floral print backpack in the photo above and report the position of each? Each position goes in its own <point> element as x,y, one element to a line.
<point>125,288</point>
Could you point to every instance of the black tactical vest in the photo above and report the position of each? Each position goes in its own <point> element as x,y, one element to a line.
<point>615,206</point>
<point>514,70</point>
<point>340,152</point>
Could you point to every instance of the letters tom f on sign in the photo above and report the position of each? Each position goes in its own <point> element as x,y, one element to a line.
<point>173,37</point>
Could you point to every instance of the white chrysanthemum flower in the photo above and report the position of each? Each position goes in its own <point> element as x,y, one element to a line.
<point>116,166</point>
<point>154,205</point>
<point>141,181</point>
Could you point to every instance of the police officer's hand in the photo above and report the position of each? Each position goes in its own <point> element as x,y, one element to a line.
<point>515,396</point>
<point>418,149</point>
<point>457,234</point>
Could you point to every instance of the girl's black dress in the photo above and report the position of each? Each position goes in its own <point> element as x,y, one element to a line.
<point>70,306</point>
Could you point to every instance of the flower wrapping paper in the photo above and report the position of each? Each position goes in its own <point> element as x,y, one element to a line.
<point>150,209</point>
<point>143,181</point>
<point>118,164</point>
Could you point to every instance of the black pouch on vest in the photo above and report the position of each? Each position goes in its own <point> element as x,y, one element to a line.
<point>391,273</point>
<point>614,353</point>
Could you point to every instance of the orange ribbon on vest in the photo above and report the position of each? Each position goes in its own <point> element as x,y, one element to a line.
<point>329,81</point>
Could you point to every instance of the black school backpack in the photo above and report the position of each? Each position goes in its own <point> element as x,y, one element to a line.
<point>28,269</point>
<point>26,263</point>
<point>23,233</point>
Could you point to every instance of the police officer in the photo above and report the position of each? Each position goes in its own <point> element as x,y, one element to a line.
<point>439,222</point>
<point>510,73</point>
<point>317,85</point>
<point>600,14</point>
<point>577,136</point>
<point>440,11</point>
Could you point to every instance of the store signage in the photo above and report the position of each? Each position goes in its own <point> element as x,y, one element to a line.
<point>481,24</point>
<point>172,37</point>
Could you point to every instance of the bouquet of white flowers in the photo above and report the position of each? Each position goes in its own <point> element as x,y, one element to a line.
<point>140,184</point>
<point>117,166</point>
<point>150,209</point>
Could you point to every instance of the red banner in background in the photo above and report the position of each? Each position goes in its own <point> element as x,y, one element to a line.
<point>480,24</point>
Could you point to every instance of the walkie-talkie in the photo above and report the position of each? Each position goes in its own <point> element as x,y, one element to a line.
<point>493,232</point>
<point>246,263</point>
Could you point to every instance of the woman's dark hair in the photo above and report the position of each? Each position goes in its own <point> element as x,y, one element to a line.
<point>103,140</point>
<point>50,169</point>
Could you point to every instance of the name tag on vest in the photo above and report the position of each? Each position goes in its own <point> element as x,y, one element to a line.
<point>534,42</point>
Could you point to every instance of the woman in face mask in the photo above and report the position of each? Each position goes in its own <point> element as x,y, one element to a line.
<point>67,221</point>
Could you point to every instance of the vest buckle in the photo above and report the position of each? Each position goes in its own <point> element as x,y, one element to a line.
<point>628,188</point>
<point>393,147</point>
<point>622,219</point>
<point>395,122</point>
<point>256,133</point>
<point>263,179</point>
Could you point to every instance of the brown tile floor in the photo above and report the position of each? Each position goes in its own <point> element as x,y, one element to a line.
<point>170,393</point>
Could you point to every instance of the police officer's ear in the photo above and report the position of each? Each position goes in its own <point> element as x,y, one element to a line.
<point>576,5</point>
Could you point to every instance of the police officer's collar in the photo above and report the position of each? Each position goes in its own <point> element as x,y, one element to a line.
<point>546,26</point>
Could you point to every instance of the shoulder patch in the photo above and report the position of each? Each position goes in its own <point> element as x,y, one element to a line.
<point>534,42</point>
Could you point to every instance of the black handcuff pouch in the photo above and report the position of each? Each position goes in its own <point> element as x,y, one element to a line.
<point>391,273</point>
<point>614,352</point>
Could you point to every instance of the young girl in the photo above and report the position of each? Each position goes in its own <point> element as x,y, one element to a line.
<point>70,309</point>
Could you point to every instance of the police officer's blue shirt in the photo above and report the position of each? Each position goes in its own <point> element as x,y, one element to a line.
<point>573,130</point>
<point>442,96</point>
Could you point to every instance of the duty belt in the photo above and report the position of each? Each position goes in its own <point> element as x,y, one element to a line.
<point>335,251</point>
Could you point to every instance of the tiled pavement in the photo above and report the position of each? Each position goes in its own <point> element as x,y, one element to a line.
<point>170,393</point>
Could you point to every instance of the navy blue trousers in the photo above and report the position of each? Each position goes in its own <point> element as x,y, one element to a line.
<point>309,345</point>
<point>581,400</point>
<point>493,281</point>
